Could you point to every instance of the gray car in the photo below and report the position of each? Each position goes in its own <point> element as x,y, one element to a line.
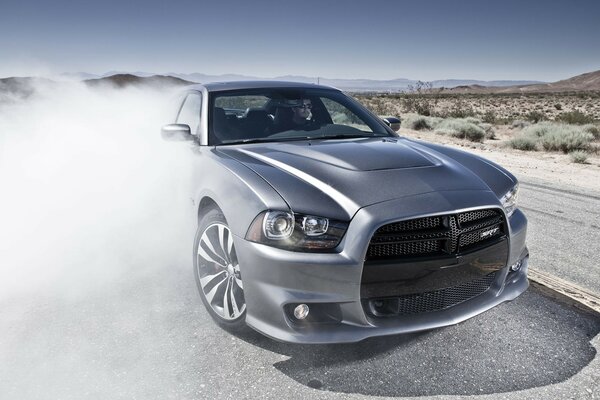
<point>317,223</point>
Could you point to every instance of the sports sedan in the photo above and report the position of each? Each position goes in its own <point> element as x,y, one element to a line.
<point>317,223</point>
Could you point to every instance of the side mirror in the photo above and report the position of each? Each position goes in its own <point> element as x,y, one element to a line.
<point>392,122</point>
<point>176,132</point>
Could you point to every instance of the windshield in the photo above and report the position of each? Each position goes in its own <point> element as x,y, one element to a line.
<point>256,115</point>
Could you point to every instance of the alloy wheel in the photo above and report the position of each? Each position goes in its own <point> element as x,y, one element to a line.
<point>219,272</point>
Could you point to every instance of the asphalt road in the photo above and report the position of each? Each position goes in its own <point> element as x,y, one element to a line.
<point>145,335</point>
<point>563,232</point>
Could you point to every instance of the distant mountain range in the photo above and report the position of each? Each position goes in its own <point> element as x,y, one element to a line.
<point>583,82</point>
<point>589,81</point>
<point>121,80</point>
<point>359,85</point>
<point>19,87</point>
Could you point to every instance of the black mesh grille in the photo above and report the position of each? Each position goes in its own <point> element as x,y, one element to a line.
<point>412,225</point>
<point>439,235</point>
<point>430,301</point>
<point>476,215</point>
<point>410,248</point>
<point>469,238</point>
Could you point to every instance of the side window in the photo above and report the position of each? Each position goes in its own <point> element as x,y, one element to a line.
<point>190,112</point>
<point>343,116</point>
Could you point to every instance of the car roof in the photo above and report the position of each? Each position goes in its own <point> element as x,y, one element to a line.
<point>238,85</point>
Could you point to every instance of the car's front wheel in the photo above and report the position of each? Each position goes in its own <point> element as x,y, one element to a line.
<point>217,271</point>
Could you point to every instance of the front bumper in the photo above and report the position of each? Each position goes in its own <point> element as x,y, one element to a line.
<point>275,278</point>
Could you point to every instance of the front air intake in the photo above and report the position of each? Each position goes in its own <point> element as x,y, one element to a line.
<point>437,235</point>
<point>429,301</point>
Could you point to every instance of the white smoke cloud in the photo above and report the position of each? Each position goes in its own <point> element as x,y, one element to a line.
<point>88,188</point>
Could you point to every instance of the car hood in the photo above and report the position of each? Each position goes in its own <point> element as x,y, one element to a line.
<point>335,178</point>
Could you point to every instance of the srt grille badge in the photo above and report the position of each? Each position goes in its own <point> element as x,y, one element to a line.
<point>489,232</point>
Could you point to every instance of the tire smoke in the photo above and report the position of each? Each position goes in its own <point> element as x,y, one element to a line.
<point>89,190</point>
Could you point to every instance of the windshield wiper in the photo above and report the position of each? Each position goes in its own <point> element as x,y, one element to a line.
<point>263,140</point>
<point>296,138</point>
<point>350,136</point>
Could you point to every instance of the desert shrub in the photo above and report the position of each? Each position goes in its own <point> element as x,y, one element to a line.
<point>461,109</point>
<point>421,98</point>
<point>575,117</point>
<point>489,117</point>
<point>537,130</point>
<point>518,123</point>
<point>488,129</point>
<point>461,129</point>
<point>377,108</point>
<point>593,129</point>
<point>416,122</point>
<point>558,106</point>
<point>527,143</point>
<point>566,138</point>
<point>554,137</point>
<point>507,120</point>
<point>578,156</point>
<point>535,116</point>
<point>380,105</point>
<point>473,120</point>
<point>420,122</point>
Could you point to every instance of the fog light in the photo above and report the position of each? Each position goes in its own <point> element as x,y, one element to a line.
<point>516,266</point>
<point>301,311</point>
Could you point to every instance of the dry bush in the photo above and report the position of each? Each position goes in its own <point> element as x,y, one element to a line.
<point>566,139</point>
<point>466,128</point>
<point>488,129</point>
<point>553,136</point>
<point>473,120</point>
<point>593,129</point>
<point>380,105</point>
<point>537,130</point>
<point>578,156</point>
<point>461,129</point>
<point>559,137</point>
<point>499,108</point>
<point>421,98</point>
<point>461,109</point>
<point>490,117</point>
<point>517,123</point>
<point>536,116</point>
<point>575,117</point>
<point>420,122</point>
<point>526,143</point>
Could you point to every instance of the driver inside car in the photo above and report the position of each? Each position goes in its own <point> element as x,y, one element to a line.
<point>293,114</point>
<point>302,112</point>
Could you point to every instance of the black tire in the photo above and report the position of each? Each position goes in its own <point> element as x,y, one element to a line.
<point>217,273</point>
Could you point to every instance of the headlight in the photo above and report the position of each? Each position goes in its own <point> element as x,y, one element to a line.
<point>509,200</point>
<point>296,232</point>
<point>278,225</point>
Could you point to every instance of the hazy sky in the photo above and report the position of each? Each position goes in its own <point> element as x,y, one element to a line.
<point>538,40</point>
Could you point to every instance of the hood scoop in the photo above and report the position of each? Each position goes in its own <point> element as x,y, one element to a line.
<point>368,154</point>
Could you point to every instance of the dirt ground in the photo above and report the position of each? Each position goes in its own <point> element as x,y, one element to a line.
<point>552,168</point>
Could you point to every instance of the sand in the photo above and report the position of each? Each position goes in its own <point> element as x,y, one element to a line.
<point>549,168</point>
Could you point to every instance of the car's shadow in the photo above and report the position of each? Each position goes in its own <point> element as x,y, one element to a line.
<point>531,342</point>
